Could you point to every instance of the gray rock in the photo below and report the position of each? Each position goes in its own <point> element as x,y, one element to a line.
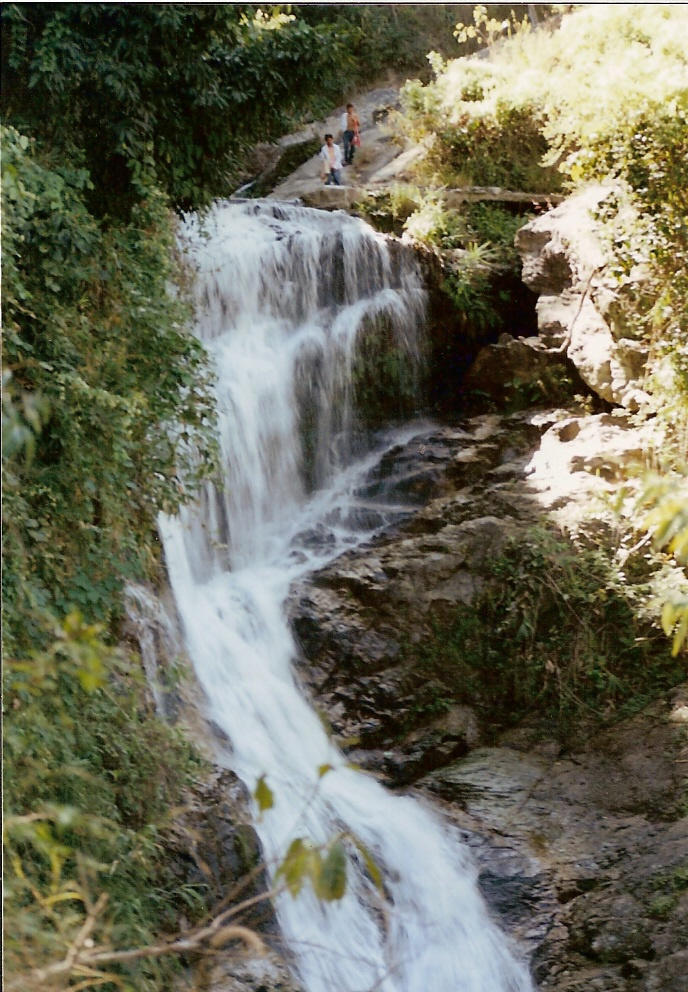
<point>217,848</point>
<point>506,371</point>
<point>266,974</point>
<point>579,848</point>
<point>579,310</point>
<point>610,928</point>
<point>668,975</point>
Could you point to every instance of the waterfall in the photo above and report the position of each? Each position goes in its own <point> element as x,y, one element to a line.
<point>286,297</point>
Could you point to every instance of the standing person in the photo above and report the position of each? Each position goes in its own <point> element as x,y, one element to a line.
<point>331,158</point>
<point>351,125</point>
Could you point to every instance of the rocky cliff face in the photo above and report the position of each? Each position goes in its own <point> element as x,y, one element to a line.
<point>578,310</point>
<point>581,839</point>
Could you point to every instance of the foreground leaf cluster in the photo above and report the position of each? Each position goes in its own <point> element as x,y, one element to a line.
<point>91,777</point>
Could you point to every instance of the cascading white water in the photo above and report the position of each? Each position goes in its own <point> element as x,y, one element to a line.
<point>283,295</point>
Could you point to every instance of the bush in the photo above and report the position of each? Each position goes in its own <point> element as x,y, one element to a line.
<point>92,328</point>
<point>480,138</point>
<point>605,96</point>
<point>555,633</point>
<point>91,779</point>
<point>175,98</point>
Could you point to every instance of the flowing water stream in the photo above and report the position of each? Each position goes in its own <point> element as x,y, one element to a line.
<point>285,296</point>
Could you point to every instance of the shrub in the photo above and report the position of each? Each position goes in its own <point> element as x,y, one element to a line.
<point>554,632</point>
<point>91,779</point>
<point>93,329</point>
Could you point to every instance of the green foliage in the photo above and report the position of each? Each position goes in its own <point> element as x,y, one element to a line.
<point>263,795</point>
<point>603,97</point>
<point>482,139</point>
<point>175,97</point>
<point>648,155</point>
<point>326,868</point>
<point>383,39</point>
<point>326,871</point>
<point>476,244</point>
<point>469,288</point>
<point>23,416</point>
<point>668,888</point>
<point>98,349</point>
<point>664,505</point>
<point>554,386</point>
<point>432,223</point>
<point>555,631</point>
<point>389,209</point>
<point>91,777</point>
<point>493,225</point>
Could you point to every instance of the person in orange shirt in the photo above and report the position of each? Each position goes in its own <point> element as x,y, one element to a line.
<point>331,159</point>
<point>350,126</point>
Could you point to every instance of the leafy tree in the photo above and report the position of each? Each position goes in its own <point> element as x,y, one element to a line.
<point>384,38</point>
<point>170,92</point>
<point>92,329</point>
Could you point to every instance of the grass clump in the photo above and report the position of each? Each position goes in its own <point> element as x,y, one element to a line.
<point>555,633</point>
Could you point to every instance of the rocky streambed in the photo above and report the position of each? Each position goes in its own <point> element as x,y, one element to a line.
<point>581,838</point>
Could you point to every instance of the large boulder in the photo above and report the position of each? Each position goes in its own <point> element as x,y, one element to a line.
<point>580,841</point>
<point>358,620</point>
<point>217,849</point>
<point>584,854</point>
<point>579,307</point>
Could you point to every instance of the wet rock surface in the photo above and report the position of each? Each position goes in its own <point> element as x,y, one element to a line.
<point>266,974</point>
<point>218,851</point>
<point>468,488</point>
<point>357,619</point>
<point>584,859</point>
<point>582,844</point>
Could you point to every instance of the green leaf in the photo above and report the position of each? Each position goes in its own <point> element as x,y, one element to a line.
<point>294,868</point>
<point>370,864</point>
<point>331,882</point>
<point>263,795</point>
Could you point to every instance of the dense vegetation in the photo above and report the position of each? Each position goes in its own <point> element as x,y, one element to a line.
<point>604,97</point>
<point>105,394</point>
<point>174,98</point>
<point>91,777</point>
<point>389,39</point>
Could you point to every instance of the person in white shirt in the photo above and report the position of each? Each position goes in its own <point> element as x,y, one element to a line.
<point>331,160</point>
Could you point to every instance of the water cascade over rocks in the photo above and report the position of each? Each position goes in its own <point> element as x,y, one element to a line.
<point>286,297</point>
